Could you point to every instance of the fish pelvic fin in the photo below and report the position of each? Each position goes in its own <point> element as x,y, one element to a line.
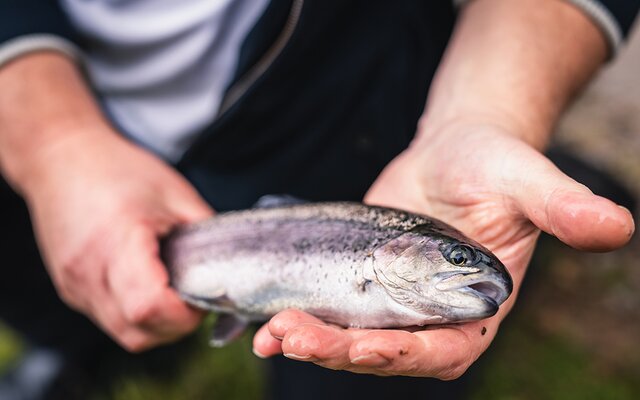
<point>227,328</point>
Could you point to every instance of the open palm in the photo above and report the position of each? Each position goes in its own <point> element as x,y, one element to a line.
<point>497,190</point>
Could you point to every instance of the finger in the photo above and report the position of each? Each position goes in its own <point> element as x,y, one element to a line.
<point>560,206</point>
<point>75,286</point>
<point>319,343</point>
<point>284,320</point>
<point>138,283</point>
<point>264,344</point>
<point>389,350</point>
<point>443,352</point>
<point>307,338</point>
<point>589,222</point>
<point>106,314</point>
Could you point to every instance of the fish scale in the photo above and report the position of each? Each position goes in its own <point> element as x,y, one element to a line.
<point>347,263</point>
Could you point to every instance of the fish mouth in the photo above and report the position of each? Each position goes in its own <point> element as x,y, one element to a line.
<point>494,289</point>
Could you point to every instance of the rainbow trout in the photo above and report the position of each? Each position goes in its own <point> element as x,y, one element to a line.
<point>347,263</point>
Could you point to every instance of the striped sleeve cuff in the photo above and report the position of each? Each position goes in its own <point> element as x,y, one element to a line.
<point>605,20</point>
<point>21,45</point>
<point>35,25</point>
<point>613,17</point>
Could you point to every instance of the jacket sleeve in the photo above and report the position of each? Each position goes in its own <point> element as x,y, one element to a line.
<point>33,25</point>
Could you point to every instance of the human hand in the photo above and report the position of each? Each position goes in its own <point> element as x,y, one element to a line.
<point>99,205</point>
<point>497,190</point>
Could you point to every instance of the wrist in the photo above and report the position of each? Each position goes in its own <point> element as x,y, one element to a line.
<point>56,155</point>
<point>458,125</point>
<point>44,105</point>
<point>515,65</point>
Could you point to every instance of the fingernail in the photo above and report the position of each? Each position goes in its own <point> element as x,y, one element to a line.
<point>277,337</point>
<point>371,360</point>
<point>258,354</point>
<point>632,227</point>
<point>298,357</point>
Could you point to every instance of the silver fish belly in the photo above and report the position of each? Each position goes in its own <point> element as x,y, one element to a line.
<point>347,263</point>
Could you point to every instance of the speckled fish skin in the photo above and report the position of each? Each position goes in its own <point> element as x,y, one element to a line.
<point>347,263</point>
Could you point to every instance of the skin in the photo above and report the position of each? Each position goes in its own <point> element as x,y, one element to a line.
<point>99,203</point>
<point>475,164</point>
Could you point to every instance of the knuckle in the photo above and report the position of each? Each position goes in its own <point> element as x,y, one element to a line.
<point>67,269</point>
<point>66,294</point>
<point>141,313</point>
<point>71,271</point>
<point>336,365</point>
<point>135,344</point>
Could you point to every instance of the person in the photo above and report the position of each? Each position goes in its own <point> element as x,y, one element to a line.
<point>120,121</point>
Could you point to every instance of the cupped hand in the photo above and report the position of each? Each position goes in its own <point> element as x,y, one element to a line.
<point>99,205</point>
<point>496,189</point>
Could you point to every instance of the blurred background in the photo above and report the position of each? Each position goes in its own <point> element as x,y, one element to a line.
<point>574,331</point>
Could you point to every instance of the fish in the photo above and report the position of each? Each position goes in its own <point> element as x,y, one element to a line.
<point>347,263</point>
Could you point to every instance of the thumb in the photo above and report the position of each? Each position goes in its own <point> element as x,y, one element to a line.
<point>562,207</point>
<point>187,203</point>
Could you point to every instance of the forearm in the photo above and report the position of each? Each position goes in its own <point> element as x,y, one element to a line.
<point>515,64</point>
<point>98,203</point>
<point>44,101</point>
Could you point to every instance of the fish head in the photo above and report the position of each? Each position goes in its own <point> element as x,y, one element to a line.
<point>436,272</point>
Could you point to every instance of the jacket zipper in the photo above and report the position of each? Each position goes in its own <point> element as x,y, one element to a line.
<point>240,87</point>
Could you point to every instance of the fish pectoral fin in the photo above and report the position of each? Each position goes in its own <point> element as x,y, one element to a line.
<point>277,200</point>
<point>227,328</point>
<point>215,300</point>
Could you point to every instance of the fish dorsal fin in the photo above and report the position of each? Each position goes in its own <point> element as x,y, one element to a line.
<point>278,200</point>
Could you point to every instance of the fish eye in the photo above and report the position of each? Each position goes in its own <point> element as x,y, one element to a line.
<point>461,255</point>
